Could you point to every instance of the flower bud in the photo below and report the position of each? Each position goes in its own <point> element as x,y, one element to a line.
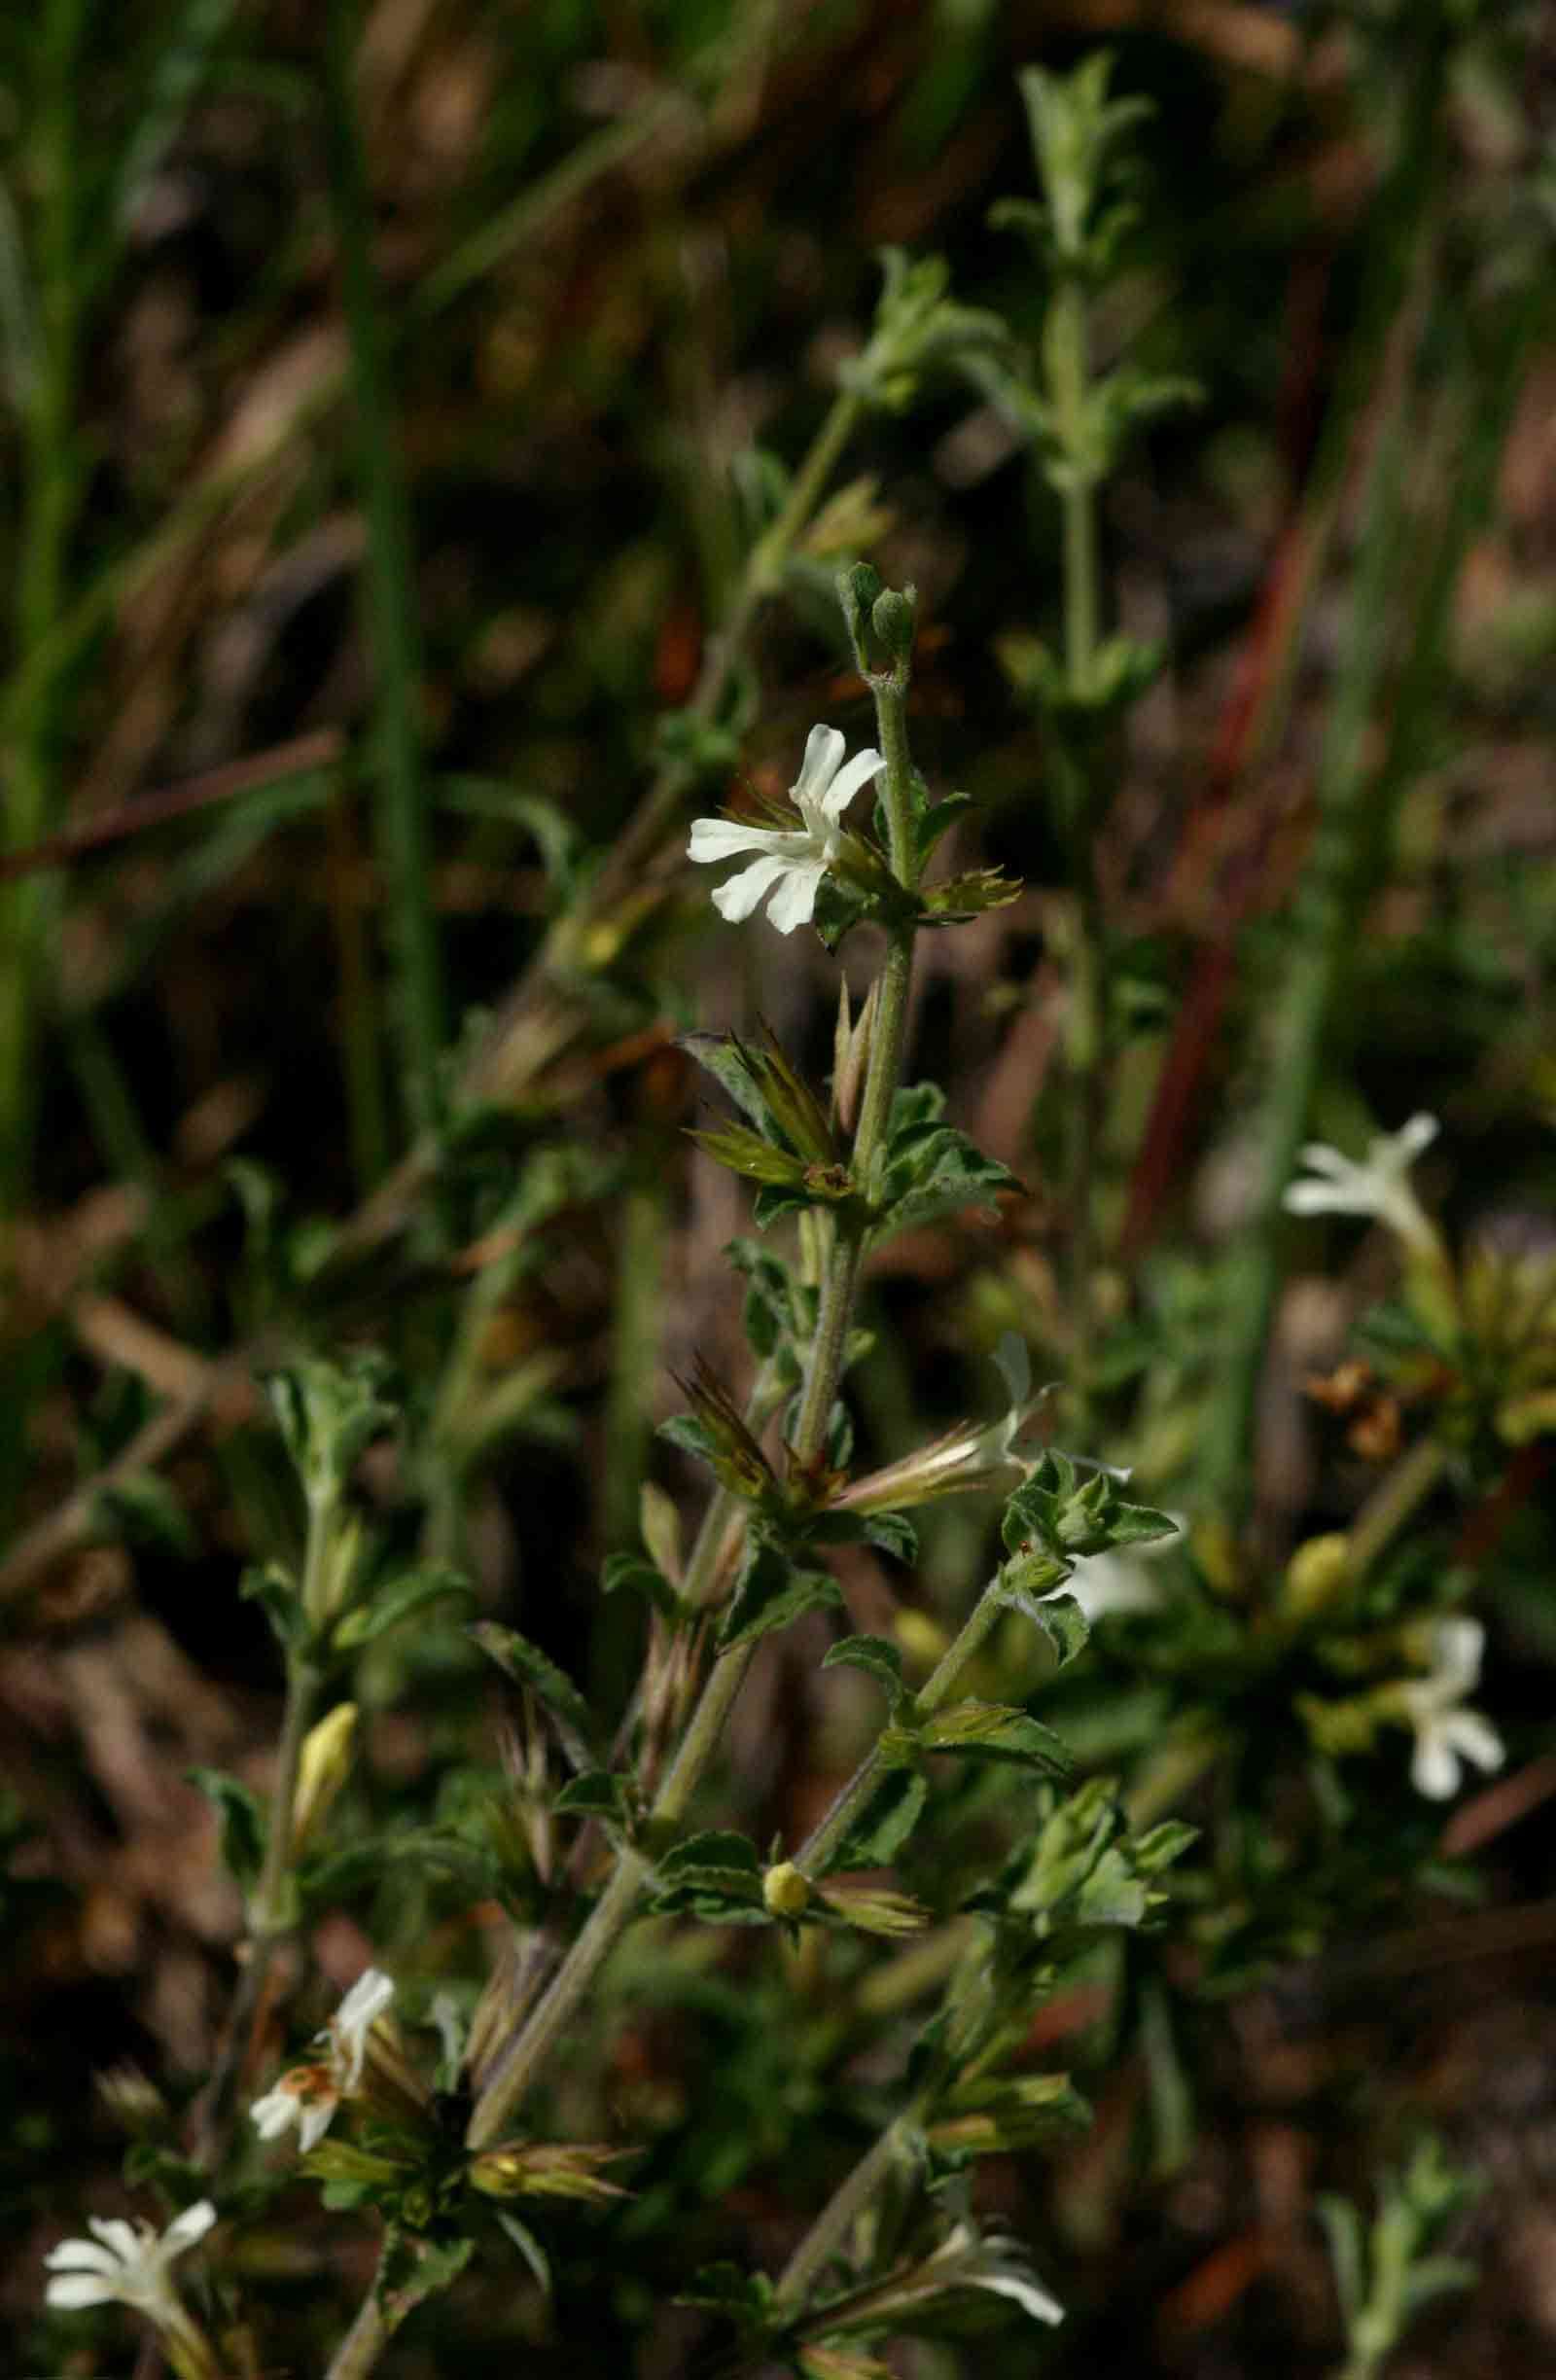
<point>322,1770</point>
<point>892,616</point>
<point>786,1890</point>
<point>1316,1575</point>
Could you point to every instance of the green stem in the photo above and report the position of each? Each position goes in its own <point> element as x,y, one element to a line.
<point>634,1354</point>
<point>270,1917</point>
<point>522,1036</point>
<point>1068,375</point>
<point>51,483</point>
<point>516,2068</point>
<point>1354,815</point>
<point>377,2319</point>
<point>964,1649</point>
<point>829,2233</point>
<point>1407,1488</point>
<point>1086,1022</point>
<point>391,592</point>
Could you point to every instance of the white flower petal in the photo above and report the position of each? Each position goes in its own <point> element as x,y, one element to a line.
<point>188,2228</point>
<point>823,751</point>
<point>1314,1198</point>
<point>725,838</point>
<point>1474,1738</point>
<point>847,784</point>
<point>275,2113</point>
<point>742,893</point>
<point>1321,1157</point>
<point>1457,1648</point>
<point>129,2242</point>
<point>794,903</point>
<point>72,2291</point>
<point>82,2256</point>
<point>1028,2295</point>
<point>314,2120</point>
<point>365,2002</point>
<point>1435,1768</point>
<point>1412,1137</point>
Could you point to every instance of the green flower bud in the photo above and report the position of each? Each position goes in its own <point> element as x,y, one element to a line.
<point>1316,1575</point>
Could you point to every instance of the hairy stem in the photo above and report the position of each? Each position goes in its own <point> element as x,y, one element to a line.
<point>516,2070</point>
<point>829,2233</point>
<point>969,1642</point>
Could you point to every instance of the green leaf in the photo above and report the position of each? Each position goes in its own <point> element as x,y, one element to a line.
<point>330,1414</point>
<point>725,1058</point>
<point>1343,2228</point>
<point>895,1534</point>
<point>275,1591</point>
<point>883,1826</point>
<point>1436,2277</point>
<point>935,821</point>
<point>930,1171</point>
<point>770,1593</point>
<point>1136,1524</point>
<point>598,1793</point>
<point>768,1310</point>
<point>717,1852</point>
<point>529,2248</point>
<point>743,2298</point>
<point>994,1732</point>
<point>958,898</point>
<point>527,1665</point>
<point>244,1825</point>
<point>988,2116</point>
<point>637,1574</point>
<point>1161,1845</point>
<point>713,1899</point>
<point>396,1598</point>
<point>880,1659</point>
<point>1172,2099</point>
<point>1059,1617</point>
<point>749,1153</point>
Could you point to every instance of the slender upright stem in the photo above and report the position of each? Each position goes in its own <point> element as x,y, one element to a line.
<point>1066,349</point>
<point>391,592</point>
<point>964,1649</point>
<point>271,1914</point>
<point>51,483</point>
<point>521,1034</point>
<point>829,2233</point>
<point>516,2067</point>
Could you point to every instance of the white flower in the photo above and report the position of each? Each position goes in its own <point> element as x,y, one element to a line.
<point>994,2263</point>
<point>791,865</point>
<point>1380,1185</point>
<point>125,2263</point>
<point>308,2096</point>
<point>1447,1734</point>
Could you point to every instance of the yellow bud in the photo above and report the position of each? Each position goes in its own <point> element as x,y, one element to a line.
<point>1314,1575</point>
<point>785,1889</point>
<point>322,1769</point>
